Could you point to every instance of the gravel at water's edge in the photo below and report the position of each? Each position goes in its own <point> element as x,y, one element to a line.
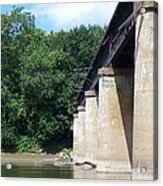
<point>34,159</point>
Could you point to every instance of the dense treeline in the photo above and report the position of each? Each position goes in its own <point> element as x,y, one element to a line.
<point>39,83</point>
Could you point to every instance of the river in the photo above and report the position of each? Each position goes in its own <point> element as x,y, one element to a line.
<point>38,171</point>
<point>41,166</point>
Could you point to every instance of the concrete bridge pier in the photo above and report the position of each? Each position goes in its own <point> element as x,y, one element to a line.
<point>75,138</point>
<point>145,96</point>
<point>81,135</point>
<point>91,128</point>
<point>113,153</point>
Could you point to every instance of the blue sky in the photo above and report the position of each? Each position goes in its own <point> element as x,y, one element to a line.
<point>68,15</point>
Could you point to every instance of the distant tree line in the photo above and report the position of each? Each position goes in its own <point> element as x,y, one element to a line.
<point>39,80</point>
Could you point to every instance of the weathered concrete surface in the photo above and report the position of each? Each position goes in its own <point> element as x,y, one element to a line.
<point>91,128</point>
<point>75,138</point>
<point>81,134</point>
<point>80,173</point>
<point>145,100</point>
<point>113,153</point>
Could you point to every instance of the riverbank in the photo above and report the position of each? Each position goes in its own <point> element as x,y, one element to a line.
<point>33,165</point>
<point>34,159</point>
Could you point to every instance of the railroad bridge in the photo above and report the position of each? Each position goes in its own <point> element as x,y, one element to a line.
<point>115,127</point>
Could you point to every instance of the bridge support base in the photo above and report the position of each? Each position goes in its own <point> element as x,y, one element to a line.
<point>91,128</point>
<point>81,135</point>
<point>75,138</point>
<point>145,100</point>
<point>113,153</point>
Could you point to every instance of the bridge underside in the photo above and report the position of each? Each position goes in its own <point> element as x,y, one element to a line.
<point>115,128</point>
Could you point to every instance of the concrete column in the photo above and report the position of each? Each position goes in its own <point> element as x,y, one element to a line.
<point>81,134</point>
<point>75,138</point>
<point>145,96</point>
<point>91,129</point>
<point>113,153</point>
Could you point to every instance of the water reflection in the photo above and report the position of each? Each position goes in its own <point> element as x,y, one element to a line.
<point>50,171</point>
<point>38,172</point>
<point>79,172</point>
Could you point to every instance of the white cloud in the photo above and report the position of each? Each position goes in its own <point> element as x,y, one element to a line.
<point>68,15</point>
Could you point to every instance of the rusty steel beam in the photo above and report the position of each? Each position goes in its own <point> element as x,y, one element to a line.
<point>111,45</point>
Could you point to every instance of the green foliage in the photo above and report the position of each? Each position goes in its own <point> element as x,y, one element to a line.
<point>39,85</point>
<point>9,139</point>
<point>25,144</point>
<point>67,152</point>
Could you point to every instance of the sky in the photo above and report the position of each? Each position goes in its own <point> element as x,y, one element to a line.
<point>65,16</point>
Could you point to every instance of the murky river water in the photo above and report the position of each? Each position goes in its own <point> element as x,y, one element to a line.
<point>38,171</point>
<point>41,166</point>
<point>67,172</point>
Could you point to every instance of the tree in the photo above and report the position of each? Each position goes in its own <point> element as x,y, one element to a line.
<point>13,30</point>
<point>38,80</point>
